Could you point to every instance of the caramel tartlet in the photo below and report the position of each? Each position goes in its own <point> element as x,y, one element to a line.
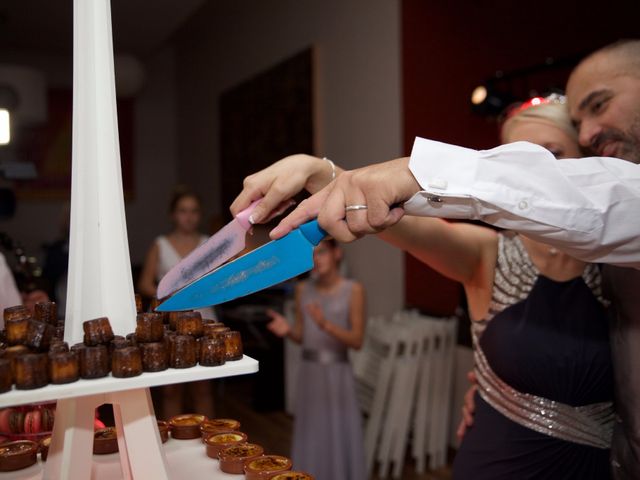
<point>186,426</point>
<point>94,361</point>
<point>182,351</point>
<point>105,441</point>
<point>6,375</point>
<point>217,442</point>
<point>163,428</point>
<point>64,367</point>
<point>31,371</point>
<point>16,322</point>
<point>233,345</point>
<point>154,356</point>
<point>293,476</point>
<point>46,312</point>
<point>45,443</point>
<point>149,328</point>
<point>189,323</point>
<point>58,346</point>
<point>232,459</point>
<point>218,425</point>
<point>126,362</point>
<point>39,335</point>
<point>97,331</point>
<point>265,467</point>
<point>212,352</point>
<point>18,455</point>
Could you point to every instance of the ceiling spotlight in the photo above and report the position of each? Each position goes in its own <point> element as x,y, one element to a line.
<point>5,126</point>
<point>488,101</point>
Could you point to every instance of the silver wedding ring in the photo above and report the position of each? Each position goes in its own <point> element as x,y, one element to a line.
<point>352,208</point>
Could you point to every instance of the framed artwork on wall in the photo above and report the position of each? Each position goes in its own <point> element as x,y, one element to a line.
<point>265,118</point>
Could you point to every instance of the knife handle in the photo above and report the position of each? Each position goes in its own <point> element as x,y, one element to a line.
<point>312,232</point>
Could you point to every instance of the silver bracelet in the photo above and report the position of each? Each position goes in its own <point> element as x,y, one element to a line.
<point>333,168</point>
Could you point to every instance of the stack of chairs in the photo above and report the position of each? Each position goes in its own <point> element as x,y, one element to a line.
<point>404,374</point>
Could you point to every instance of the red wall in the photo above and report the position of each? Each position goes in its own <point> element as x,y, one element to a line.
<point>450,47</point>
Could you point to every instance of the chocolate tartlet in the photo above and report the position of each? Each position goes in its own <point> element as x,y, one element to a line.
<point>182,351</point>
<point>31,371</point>
<point>18,455</point>
<point>45,443</point>
<point>64,367</point>
<point>126,362</point>
<point>58,346</point>
<point>105,441</point>
<point>46,312</point>
<point>6,375</point>
<point>293,476</point>
<point>212,352</point>
<point>189,323</point>
<point>39,335</point>
<point>16,322</point>
<point>97,331</point>
<point>94,361</point>
<point>233,345</point>
<point>263,468</point>
<point>131,338</point>
<point>217,331</point>
<point>186,426</point>
<point>118,342</point>
<point>163,428</point>
<point>149,328</point>
<point>138,302</point>
<point>154,356</point>
<point>217,442</point>
<point>232,459</point>
<point>218,425</point>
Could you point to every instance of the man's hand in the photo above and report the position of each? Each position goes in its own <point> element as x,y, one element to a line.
<point>381,188</point>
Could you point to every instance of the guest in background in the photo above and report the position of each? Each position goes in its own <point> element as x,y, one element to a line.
<point>329,320</point>
<point>185,209</point>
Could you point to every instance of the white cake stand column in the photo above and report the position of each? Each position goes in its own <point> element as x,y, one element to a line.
<point>99,282</point>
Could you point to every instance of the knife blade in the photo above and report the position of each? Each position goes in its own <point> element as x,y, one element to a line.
<point>220,247</point>
<point>268,265</point>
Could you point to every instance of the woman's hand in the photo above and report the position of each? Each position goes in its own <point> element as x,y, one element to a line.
<point>316,313</point>
<point>278,324</point>
<point>279,182</point>
<point>381,188</point>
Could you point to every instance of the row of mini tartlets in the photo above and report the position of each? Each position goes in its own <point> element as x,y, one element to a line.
<point>226,443</point>
<point>34,357</point>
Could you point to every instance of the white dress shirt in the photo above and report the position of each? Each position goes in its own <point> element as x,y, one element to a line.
<point>588,207</point>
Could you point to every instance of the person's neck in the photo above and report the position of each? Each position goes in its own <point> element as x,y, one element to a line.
<point>329,280</point>
<point>181,234</point>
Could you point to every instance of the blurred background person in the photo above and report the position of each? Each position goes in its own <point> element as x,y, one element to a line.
<point>185,209</point>
<point>329,320</point>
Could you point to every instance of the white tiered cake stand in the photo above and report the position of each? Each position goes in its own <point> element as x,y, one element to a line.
<point>100,285</point>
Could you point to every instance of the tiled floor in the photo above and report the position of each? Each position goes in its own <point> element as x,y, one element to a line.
<point>273,430</point>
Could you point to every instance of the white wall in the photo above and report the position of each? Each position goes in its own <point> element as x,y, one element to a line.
<point>358,93</point>
<point>38,222</point>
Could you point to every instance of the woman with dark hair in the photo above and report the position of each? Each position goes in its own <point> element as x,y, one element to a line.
<point>167,250</point>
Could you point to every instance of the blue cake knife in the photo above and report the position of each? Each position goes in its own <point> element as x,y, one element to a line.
<point>268,265</point>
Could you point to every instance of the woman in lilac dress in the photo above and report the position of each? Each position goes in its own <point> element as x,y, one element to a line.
<point>327,437</point>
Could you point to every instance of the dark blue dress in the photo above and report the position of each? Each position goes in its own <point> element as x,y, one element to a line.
<point>553,344</point>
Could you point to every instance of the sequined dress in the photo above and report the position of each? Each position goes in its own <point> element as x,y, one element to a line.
<point>543,407</point>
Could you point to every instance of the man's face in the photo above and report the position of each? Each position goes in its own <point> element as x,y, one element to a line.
<point>604,102</point>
